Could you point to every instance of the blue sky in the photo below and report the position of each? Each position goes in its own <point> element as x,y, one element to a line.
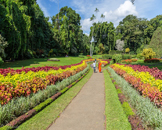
<point>114,10</point>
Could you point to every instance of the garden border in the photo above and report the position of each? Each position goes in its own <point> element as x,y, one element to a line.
<point>133,118</point>
<point>41,106</point>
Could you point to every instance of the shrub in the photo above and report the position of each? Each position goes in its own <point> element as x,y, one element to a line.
<point>140,56</point>
<point>132,52</point>
<point>148,53</point>
<point>106,56</point>
<point>153,60</point>
<point>1,61</point>
<point>118,91</point>
<point>112,52</point>
<point>133,60</point>
<point>117,58</point>
<point>133,56</point>
<point>127,50</point>
<point>127,61</point>
<point>81,56</point>
<point>126,56</point>
<point>43,104</point>
<point>127,109</point>
<point>156,42</point>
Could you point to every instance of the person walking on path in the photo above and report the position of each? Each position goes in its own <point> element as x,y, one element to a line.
<point>94,66</point>
<point>99,66</point>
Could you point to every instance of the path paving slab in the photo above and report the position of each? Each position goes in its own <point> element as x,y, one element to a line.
<point>86,111</point>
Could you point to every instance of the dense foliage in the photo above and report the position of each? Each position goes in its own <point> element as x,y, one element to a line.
<point>30,34</point>
<point>148,53</point>
<point>104,35</point>
<point>156,42</point>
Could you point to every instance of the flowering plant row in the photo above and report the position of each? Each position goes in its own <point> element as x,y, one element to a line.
<point>129,60</point>
<point>104,62</point>
<point>153,60</point>
<point>152,71</point>
<point>141,81</point>
<point>10,72</point>
<point>25,83</point>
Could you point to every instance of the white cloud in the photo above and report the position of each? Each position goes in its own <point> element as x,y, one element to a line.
<point>56,1</point>
<point>111,16</point>
<point>86,34</point>
<point>86,23</point>
<point>125,9</point>
<point>43,8</point>
<point>114,10</point>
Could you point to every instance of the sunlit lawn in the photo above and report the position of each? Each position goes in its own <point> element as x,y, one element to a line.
<point>42,62</point>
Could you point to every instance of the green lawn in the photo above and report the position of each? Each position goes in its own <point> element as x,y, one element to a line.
<point>42,62</point>
<point>44,118</point>
<point>115,116</point>
<point>97,56</point>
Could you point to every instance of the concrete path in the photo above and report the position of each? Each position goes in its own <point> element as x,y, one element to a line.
<point>86,111</point>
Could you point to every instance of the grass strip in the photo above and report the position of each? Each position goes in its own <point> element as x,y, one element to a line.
<point>115,116</point>
<point>44,118</point>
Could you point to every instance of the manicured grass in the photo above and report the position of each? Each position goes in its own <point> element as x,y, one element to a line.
<point>42,62</point>
<point>44,118</point>
<point>96,56</point>
<point>115,116</point>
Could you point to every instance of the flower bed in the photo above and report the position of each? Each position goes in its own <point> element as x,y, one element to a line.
<point>144,82</point>
<point>14,123</point>
<point>23,82</point>
<point>153,60</point>
<point>129,60</point>
<point>151,115</point>
<point>104,62</point>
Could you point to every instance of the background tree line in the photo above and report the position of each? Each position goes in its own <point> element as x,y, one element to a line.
<point>29,33</point>
<point>136,33</point>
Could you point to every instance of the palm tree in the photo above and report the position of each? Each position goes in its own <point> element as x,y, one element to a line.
<point>96,10</point>
<point>132,1</point>
<point>102,16</point>
<point>91,19</point>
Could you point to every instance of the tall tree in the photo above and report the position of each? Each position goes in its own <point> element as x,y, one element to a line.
<point>102,16</point>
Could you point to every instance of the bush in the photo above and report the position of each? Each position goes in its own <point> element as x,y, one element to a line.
<point>106,56</point>
<point>117,58</point>
<point>132,52</point>
<point>148,53</point>
<point>126,56</point>
<point>133,56</point>
<point>127,109</point>
<point>133,60</point>
<point>127,61</point>
<point>153,60</point>
<point>1,61</point>
<point>156,42</point>
<point>127,50</point>
<point>81,56</point>
<point>112,52</point>
<point>139,56</point>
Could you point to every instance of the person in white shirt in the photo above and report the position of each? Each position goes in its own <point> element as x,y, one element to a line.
<point>94,66</point>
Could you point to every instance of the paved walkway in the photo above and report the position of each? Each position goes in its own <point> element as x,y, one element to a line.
<point>86,111</point>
